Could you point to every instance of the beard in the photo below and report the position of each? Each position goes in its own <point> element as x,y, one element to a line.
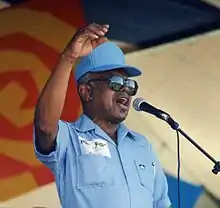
<point>116,118</point>
<point>116,121</point>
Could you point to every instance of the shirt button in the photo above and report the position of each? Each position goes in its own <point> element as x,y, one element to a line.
<point>142,167</point>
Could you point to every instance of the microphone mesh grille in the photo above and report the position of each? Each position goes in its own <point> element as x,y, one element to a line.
<point>136,103</point>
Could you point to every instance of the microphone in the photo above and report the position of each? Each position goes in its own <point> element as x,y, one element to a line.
<point>140,104</point>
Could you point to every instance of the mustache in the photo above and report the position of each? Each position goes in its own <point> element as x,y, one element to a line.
<point>122,94</point>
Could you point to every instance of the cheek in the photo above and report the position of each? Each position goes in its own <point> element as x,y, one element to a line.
<point>104,97</point>
<point>107,97</point>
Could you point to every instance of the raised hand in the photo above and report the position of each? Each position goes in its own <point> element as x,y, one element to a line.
<point>85,40</point>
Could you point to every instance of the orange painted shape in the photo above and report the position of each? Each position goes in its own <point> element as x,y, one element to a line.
<point>25,80</point>
<point>38,71</point>
<point>19,41</point>
<point>19,150</point>
<point>16,185</point>
<point>12,132</point>
<point>43,27</point>
<point>13,96</point>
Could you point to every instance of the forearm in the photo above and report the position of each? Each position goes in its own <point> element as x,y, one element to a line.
<point>50,103</point>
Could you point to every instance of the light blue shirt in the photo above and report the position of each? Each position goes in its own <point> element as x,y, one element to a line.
<point>92,171</point>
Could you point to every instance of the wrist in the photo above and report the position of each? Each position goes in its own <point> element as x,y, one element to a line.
<point>68,57</point>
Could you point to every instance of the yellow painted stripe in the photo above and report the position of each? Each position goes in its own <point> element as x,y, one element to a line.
<point>22,151</point>
<point>39,25</point>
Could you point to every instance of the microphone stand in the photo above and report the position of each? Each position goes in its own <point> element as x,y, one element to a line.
<point>175,126</point>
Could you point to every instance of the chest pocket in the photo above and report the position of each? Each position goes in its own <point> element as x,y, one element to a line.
<point>146,173</point>
<point>93,171</point>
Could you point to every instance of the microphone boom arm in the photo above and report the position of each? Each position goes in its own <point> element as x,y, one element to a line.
<point>140,104</point>
<point>175,126</point>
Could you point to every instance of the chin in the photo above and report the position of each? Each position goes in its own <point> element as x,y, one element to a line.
<point>117,119</point>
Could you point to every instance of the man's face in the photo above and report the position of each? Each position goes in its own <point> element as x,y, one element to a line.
<point>106,103</point>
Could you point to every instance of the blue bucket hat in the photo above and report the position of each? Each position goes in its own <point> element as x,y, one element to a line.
<point>105,57</point>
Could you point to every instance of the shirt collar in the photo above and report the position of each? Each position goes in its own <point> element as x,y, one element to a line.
<point>84,124</point>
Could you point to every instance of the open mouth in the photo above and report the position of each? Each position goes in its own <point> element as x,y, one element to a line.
<point>123,102</point>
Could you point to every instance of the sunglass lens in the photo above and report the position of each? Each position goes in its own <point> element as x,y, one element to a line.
<point>116,83</point>
<point>131,87</point>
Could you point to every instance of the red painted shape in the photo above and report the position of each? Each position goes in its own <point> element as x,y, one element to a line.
<point>25,80</point>
<point>11,167</point>
<point>42,175</point>
<point>70,11</point>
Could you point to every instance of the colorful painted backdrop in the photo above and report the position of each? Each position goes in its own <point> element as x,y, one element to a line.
<point>30,42</point>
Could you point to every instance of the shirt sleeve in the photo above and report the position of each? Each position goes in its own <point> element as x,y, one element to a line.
<point>53,159</point>
<point>161,198</point>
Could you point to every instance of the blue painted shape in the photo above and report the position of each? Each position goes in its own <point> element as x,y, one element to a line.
<point>189,192</point>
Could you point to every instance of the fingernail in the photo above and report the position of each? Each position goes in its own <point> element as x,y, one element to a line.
<point>107,26</point>
<point>95,36</point>
<point>105,29</point>
<point>102,33</point>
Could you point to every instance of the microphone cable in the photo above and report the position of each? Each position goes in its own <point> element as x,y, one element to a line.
<point>140,104</point>
<point>178,168</point>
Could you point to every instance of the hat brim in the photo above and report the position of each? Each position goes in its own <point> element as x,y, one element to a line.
<point>129,70</point>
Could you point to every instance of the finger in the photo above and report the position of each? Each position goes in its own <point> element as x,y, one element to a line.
<point>99,30</point>
<point>87,33</point>
<point>103,27</point>
<point>93,31</point>
<point>99,41</point>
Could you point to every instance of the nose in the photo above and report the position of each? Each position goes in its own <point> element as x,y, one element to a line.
<point>123,88</point>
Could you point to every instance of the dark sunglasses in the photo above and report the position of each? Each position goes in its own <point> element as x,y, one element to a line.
<point>118,84</point>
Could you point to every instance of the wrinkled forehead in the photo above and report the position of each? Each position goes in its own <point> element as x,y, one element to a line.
<point>119,72</point>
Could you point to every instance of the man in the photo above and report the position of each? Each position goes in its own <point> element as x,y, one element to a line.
<point>97,161</point>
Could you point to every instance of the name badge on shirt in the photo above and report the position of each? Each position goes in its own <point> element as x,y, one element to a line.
<point>95,146</point>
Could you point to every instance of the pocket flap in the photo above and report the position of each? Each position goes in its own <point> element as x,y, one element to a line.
<point>146,173</point>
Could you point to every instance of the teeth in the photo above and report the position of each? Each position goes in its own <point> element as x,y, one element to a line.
<point>122,100</point>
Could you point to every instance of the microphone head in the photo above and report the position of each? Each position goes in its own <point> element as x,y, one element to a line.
<point>137,103</point>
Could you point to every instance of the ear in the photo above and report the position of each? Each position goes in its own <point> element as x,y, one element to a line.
<point>85,92</point>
